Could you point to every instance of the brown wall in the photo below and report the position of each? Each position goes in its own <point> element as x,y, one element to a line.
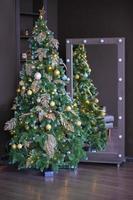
<point>8,68</point>
<point>52,15</point>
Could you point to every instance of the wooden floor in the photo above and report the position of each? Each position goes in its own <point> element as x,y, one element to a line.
<point>89,182</point>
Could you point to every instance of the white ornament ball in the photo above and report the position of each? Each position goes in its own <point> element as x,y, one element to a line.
<point>78,123</point>
<point>21,83</point>
<point>37,76</point>
<point>29,92</point>
<point>38,100</point>
<point>52,103</point>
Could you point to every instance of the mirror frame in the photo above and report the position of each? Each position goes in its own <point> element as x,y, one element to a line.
<point>120,42</point>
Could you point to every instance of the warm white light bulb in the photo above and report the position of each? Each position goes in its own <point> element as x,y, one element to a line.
<point>120,98</point>
<point>120,40</point>
<point>85,41</point>
<point>120,136</point>
<point>68,60</point>
<point>120,79</point>
<point>102,40</point>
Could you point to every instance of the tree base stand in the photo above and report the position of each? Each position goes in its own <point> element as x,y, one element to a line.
<point>48,172</point>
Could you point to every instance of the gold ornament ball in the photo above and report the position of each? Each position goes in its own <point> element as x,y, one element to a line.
<point>27,127</point>
<point>50,68</point>
<point>77,76</point>
<point>23,88</point>
<point>78,123</point>
<point>68,108</point>
<point>21,83</point>
<point>56,72</point>
<point>87,101</point>
<point>96,101</point>
<point>29,92</point>
<point>14,146</point>
<point>103,113</point>
<point>20,146</point>
<point>55,56</point>
<point>18,90</point>
<point>75,105</point>
<point>48,127</point>
<point>52,103</point>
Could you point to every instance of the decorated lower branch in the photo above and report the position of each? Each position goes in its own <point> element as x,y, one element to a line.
<point>85,97</point>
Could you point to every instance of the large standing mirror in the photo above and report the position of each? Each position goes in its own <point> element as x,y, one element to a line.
<point>106,56</point>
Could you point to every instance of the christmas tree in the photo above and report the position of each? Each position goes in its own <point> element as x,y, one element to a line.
<point>85,97</point>
<point>46,130</point>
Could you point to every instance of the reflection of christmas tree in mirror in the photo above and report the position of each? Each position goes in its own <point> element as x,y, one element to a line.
<point>46,130</point>
<point>85,98</point>
<point>103,61</point>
